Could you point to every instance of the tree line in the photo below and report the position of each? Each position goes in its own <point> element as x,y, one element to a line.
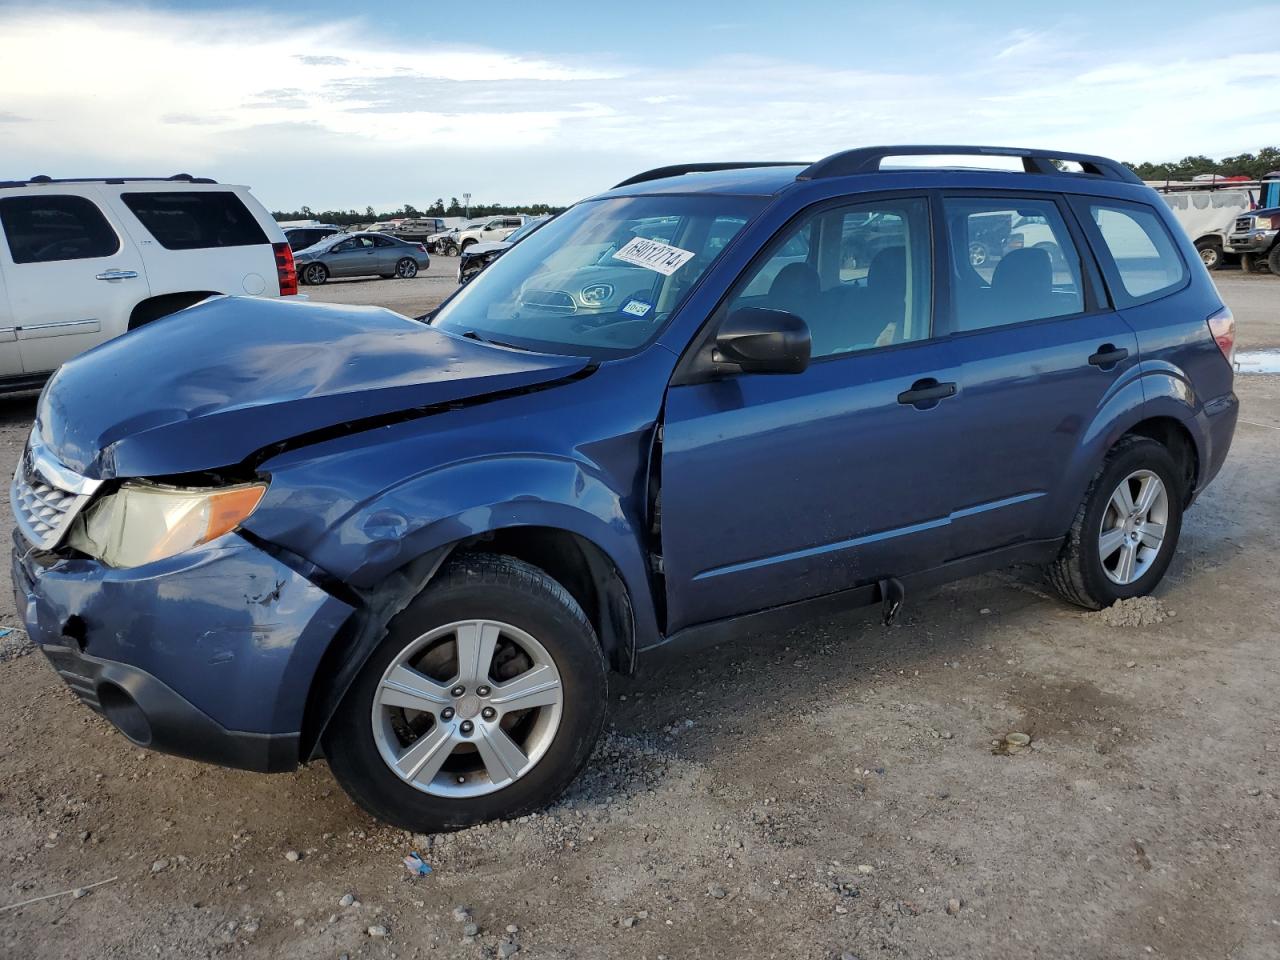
<point>1255,166</point>
<point>346,218</point>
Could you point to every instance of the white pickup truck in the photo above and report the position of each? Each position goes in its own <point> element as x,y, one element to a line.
<point>86,260</point>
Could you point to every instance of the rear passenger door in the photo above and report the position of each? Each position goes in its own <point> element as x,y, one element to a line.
<point>198,239</point>
<point>73,277</point>
<point>1040,352</point>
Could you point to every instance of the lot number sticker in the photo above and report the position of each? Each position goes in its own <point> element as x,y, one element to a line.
<point>637,308</point>
<point>654,255</point>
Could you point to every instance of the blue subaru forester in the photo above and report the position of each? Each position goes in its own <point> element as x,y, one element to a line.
<point>718,397</point>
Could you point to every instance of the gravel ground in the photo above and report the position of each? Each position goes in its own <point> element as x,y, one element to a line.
<point>839,790</point>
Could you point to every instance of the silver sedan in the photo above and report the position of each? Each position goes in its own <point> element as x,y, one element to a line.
<point>361,255</point>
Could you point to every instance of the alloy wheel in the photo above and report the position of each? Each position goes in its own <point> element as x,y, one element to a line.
<point>406,269</point>
<point>467,708</point>
<point>1133,527</point>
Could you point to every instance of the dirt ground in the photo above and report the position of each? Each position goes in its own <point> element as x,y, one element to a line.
<point>842,789</point>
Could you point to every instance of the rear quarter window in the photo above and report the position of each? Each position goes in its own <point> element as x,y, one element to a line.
<point>195,219</point>
<point>45,229</point>
<point>1144,260</point>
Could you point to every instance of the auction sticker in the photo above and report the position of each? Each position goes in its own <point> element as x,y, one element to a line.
<point>637,308</point>
<point>654,255</point>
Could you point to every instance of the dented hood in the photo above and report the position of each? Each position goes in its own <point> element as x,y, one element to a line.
<point>210,386</point>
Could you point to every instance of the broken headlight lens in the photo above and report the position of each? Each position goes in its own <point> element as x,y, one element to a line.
<point>140,522</point>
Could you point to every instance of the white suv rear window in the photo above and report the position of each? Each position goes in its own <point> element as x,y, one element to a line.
<point>195,220</point>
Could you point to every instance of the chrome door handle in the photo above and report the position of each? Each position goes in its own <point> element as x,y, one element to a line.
<point>118,275</point>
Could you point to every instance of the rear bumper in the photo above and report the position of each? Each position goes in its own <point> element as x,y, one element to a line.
<point>1218,427</point>
<point>209,655</point>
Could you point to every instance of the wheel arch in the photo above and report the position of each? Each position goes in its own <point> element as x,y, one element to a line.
<point>1174,436</point>
<point>163,304</point>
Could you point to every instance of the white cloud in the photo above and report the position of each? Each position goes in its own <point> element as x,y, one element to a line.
<point>325,116</point>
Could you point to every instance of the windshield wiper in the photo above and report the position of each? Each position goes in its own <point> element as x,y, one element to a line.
<point>472,335</point>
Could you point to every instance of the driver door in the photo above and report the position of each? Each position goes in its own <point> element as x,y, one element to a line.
<point>783,487</point>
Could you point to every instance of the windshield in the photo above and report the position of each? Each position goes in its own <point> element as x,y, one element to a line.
<point>601,279</point>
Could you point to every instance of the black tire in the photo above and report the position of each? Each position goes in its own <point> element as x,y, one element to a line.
<point>451,250</point>
<point>475,586</point>
<point>1077,573</point>
<point>1273,260</point>
<point>314,274</point>
<point>1211,254</point>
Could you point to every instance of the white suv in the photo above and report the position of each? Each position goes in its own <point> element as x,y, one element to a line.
<point>86,260</point>
<point>495,228</point>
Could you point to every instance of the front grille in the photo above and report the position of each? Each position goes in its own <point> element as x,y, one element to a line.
<point>1243,225</point>
<point>46,496</point>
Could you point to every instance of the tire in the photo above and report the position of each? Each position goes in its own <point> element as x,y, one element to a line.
<point>451,250</point>
<point>1211,254</point>
<point>407,268</point>
<point>1080,573</point>
<point>1273,260</point>
<point>314,274</point>
<point>528,605</point>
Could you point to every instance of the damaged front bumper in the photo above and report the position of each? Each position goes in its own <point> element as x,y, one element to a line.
<point>208,655</point>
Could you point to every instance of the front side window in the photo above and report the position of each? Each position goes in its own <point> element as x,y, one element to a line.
<point>195,219</point>
<point>1145,257</point>
<point>44,229</point>
<point>601,279</point>
<point>1013,260</point>
<point>859,276</point>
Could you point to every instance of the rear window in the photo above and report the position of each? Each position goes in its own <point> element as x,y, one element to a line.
<point>43,229</point>
<point>1145,257</point>
<point>196,220</point>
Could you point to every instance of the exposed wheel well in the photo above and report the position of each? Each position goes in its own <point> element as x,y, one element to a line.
<point>584,570</point>
<point>1180,444</point>
<point>153,308</point>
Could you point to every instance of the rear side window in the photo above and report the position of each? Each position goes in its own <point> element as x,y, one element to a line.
<point>46,229</point>
<point>1013,260</point>
<point>195,219</point>
<point>1146,258</point>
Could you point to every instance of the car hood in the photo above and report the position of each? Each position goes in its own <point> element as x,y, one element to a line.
<point>212,385</point>
<point>488,246</point>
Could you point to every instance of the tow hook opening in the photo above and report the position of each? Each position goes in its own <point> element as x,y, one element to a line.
<point>124,713</point>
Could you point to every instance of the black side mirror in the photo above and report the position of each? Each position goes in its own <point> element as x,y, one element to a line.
<point>760,340</point>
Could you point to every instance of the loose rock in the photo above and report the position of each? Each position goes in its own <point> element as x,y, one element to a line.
<point>293,856</point>
<point>377,931</point>
<point>506,950</point>
<point>717,892</point>
<point>347,900</point>
<point>461,914</point>
<point>953,906</point>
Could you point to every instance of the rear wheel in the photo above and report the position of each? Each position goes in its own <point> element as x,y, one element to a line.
<point>407,268</point>
<point>315,274</point>
<point>1125,531</point>
<point>1210,253</point>
<point>483,702</point>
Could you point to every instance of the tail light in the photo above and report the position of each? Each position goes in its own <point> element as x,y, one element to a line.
<point>422,248</point>
<point>285,269</point>
<point>1222,325</point>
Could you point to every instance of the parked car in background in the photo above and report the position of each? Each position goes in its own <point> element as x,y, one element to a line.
<point>416,549</point>
<point>446,242</point>
<point>361,255</point>
<point>1206,210</point>
<point>306,236</point>
<point>418,229</point>
<point>384,226</point>
<point>494,228</point>
<point>479,255</point>
<point>86,260</point>
<point>1256,235</point>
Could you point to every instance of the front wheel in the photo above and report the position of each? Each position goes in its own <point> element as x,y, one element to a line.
<point>1210,254</point>
<point>407,268</point>
<point>1273,260</point>
<point>451,249</point>
<point>483,702</point>
<point>1125,531</point>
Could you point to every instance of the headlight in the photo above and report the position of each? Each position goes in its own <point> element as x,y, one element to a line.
<point>140,523</point>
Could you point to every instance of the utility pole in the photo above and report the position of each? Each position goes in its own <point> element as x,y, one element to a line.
<point>466,205</point>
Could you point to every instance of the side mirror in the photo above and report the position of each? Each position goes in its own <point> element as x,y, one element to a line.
<point>760,340</point>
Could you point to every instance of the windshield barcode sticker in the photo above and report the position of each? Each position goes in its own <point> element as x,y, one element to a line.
<point>654,255</point>
<point>637,308</point>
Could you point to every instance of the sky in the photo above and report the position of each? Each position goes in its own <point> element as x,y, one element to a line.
<point>346,105</point>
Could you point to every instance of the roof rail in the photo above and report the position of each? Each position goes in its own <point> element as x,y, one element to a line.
<point>659,173</point>
<point>868,159</point>
<point>45,178</point>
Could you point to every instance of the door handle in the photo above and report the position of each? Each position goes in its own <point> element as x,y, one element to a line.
<point>925,394</point>
<point>1108,356</point>
<point>118,275</point>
